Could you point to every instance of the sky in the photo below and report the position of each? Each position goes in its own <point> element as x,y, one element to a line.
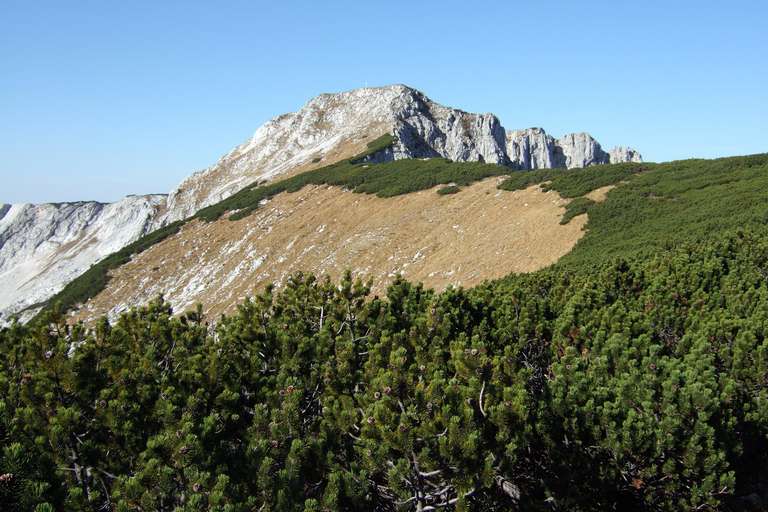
<point>100,99</point>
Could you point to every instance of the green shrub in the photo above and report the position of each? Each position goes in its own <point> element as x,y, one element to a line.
<point>672,202</point>
<point>575,182</point>
<point>577,206</point>
<point>450,189</point>
<point>375,146</point>
<point>634,384</point>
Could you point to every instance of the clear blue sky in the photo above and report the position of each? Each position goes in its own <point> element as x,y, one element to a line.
<point>99,99</point>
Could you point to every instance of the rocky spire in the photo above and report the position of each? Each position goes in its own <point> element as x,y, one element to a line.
<point>533,148</point>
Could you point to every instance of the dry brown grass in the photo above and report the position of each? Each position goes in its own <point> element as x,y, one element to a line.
<point>599,194</point>
<point>460,239</point>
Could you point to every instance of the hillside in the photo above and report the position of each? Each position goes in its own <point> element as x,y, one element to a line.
<point>636,384</point>
<point>36,263</point>
<point>479,232</point>
<point>43,247</point>
<point>457,239</point>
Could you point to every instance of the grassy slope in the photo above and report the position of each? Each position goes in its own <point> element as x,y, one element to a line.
<point>385,180</point>
<point>657,204</point>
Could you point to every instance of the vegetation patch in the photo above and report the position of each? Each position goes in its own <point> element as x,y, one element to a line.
<point>450,189</point>
<point>575,182</point>
<point>656,205</point>
<point>578,206</point>
<point>670,203</point>
<point>375,146</point>
<point>386,179</point>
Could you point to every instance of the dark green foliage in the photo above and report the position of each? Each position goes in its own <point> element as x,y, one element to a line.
<point>576,207</point>
<point>385,180</point>
<point>637,384</point>
<point>672,202</point>
<point>375,146</point>
<point>575,182</point>
<point>450,189</point>
<point>656,205</point>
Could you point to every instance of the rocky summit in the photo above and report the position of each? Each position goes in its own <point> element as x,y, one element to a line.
<point>42,247</point>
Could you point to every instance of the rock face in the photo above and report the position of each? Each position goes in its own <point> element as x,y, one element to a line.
<point>533,148</point>
<point>42,247</point>
<point>424,129</point>
<point>622,154</point>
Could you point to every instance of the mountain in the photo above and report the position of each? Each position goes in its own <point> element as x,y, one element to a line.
<point>592,338</point>
<point>42,247</point>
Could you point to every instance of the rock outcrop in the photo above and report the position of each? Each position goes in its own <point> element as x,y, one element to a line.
<point>621,154</point>
<point>533,148</point>
<point>424,129</point>
<point>42,247</point>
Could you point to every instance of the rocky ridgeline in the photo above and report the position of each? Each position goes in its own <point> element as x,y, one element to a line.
<point>42,247</point>
<point>422,129</point>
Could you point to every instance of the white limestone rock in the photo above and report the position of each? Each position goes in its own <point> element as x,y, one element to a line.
<point>621,154</point>
<point>533,148</point>
<point>426,129</point>
<point>579,150</point>
<point>44,246</point>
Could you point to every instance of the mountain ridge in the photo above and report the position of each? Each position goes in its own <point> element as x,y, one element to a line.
<point>328,128</point>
